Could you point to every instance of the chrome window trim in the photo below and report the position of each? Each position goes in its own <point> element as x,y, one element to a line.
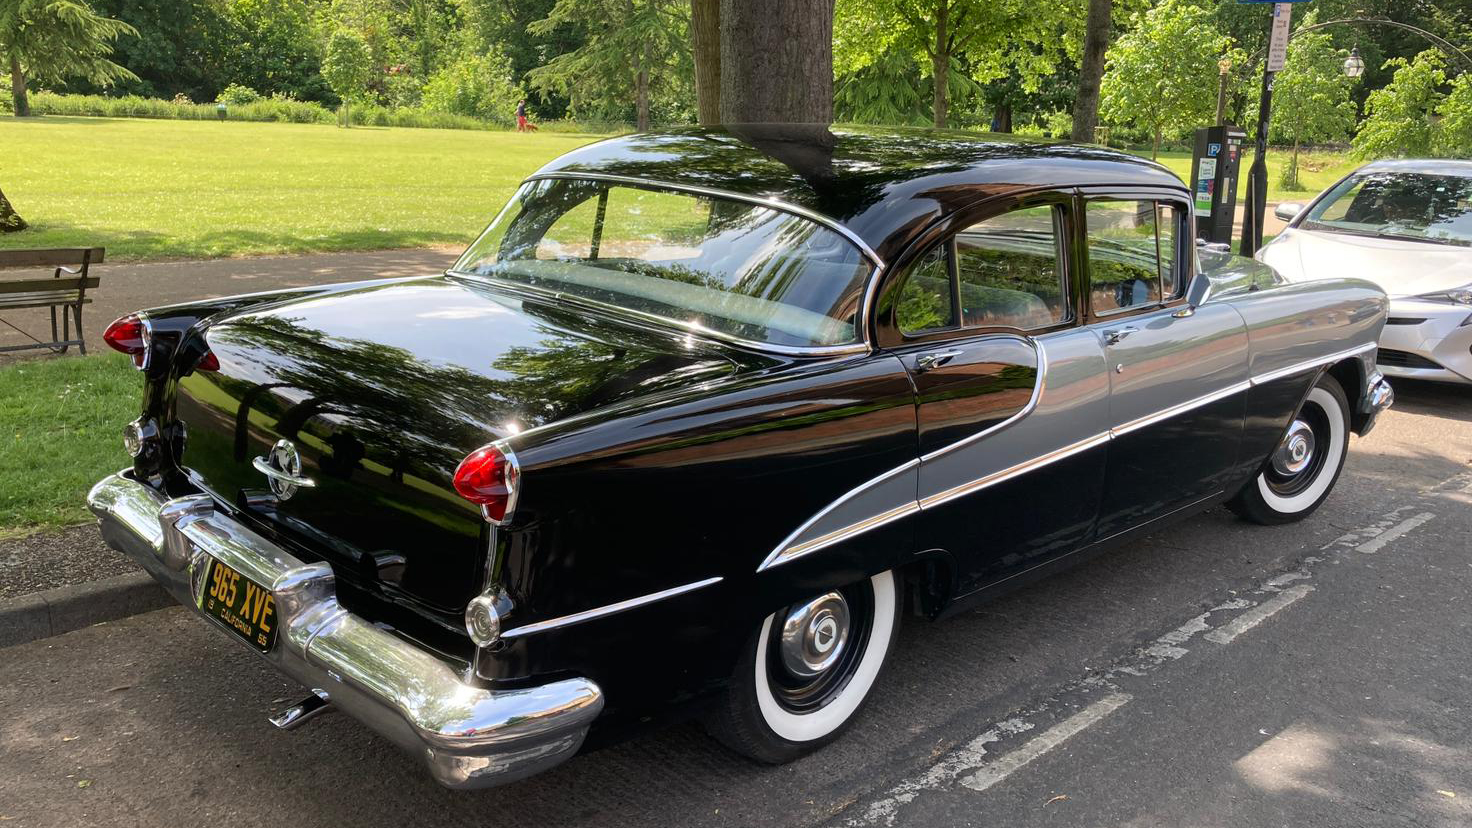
<point>784,553</point>
<point>867,296</point>
<point>604,611</point>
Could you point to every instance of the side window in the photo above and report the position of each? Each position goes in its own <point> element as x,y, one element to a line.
<point>925,298</point>
<point>1010,272</point>
<point>1132,254</point>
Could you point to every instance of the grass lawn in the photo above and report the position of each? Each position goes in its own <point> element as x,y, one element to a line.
<point>149,189</point>
<point>62,421</point>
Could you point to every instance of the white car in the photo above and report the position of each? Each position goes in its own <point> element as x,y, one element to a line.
<point>1406,226</point>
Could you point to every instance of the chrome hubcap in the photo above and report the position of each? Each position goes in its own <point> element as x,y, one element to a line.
<point>814,635</point>
<point>1296,451</point>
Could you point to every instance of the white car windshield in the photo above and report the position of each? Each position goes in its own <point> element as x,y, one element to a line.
<point>748,271</point>
<point>1414,206</point>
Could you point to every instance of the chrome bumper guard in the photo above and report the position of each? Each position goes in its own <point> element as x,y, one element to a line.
<point>468,736</point>
<point>1380,397</point>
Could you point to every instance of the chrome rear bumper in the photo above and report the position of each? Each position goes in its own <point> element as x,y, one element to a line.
<point>468,736</point>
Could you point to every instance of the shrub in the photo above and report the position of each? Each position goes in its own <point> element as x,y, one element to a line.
<point>478,86</point>
<point>238,93</point>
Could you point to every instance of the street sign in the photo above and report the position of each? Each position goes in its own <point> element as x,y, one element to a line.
<point>1278,44</point>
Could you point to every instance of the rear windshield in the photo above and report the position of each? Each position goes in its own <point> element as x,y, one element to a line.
<point>1392,205</point>
<point>744,270</point>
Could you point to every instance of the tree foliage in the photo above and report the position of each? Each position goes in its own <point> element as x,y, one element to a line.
<point>1162,75</point>
<point>53,40</point>
<point>478,85</point>
<point>957,46</point>
<point>1311,97</point>
<point>1398,117</point>
<point>635,56</point>
<point>347,67</point>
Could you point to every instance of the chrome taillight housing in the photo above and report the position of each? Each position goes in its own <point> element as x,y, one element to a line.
<point>489,476</point>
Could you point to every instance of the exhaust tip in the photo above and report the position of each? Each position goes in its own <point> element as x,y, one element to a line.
<point>303,711</point>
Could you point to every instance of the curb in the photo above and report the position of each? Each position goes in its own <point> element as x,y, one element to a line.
<point>56,611</point>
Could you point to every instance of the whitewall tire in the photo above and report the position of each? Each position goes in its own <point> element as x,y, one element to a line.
<point>1305,464</point>
<point>808,670</point>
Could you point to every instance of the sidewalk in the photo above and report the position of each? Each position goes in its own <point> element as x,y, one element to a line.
<point>125,288</point>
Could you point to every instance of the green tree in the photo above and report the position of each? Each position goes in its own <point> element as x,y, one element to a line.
<point>1453,137</point>
<point>475,85</point>
<point>634,49</point>
<point>180,48</point>
<point>1398,117</point>
<point>958,44</point>
<point>53,40</point>
<point>347,68</point>
<point>1162,74</point>
<point>275,48</point>
<point>1311,97</point>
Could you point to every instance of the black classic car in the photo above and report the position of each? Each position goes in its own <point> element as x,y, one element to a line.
<point>701,415</point>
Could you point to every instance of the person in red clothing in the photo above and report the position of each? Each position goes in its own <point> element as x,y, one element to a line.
<point>521,124</point>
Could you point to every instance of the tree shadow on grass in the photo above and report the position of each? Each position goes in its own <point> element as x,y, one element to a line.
<point>135,245</point>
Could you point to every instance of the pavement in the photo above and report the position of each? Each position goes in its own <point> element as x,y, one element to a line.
<point>1216,673</point>
<point>125,288</point>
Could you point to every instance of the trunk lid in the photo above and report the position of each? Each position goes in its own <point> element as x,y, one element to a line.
<point>383,389</point>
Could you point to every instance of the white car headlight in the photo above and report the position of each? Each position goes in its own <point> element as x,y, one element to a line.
<point>1457,296</point>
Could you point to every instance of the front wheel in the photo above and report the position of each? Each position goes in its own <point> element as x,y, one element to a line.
<point>1304,466</point>
<point>808,670</point>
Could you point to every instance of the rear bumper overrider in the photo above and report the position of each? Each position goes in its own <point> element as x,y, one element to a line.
<point>468,736</point>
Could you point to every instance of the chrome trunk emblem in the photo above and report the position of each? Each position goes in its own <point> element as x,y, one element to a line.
<point>283,470</point>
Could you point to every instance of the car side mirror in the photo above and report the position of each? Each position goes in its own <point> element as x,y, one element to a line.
<point>1288,210</point>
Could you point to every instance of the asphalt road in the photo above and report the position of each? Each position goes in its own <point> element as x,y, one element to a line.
<point>1214,674</point>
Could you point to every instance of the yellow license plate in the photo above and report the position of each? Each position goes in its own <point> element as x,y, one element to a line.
<point>242,605</point>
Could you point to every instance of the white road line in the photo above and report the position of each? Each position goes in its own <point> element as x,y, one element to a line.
<point>1378,542</point>
<point>1258,614</point>
<point>1009,763</point>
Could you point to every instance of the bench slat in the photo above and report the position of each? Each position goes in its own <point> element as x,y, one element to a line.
<point>71,283</point>
<point>49,257</point>
<point>40,300</point>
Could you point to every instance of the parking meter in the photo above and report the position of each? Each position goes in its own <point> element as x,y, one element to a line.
<point>1214,181</point>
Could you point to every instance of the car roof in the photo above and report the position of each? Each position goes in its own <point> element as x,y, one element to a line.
<point>885,185</point>
<point>1428,166</point>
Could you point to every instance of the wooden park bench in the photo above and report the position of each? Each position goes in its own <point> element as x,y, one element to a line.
<point>65,291</point>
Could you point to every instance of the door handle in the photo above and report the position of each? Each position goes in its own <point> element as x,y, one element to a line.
<point>934,359</point>
<point>1114,335</point>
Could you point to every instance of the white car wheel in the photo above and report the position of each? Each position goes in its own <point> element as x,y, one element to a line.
<point>809,670</point>
<point>1305,464</point>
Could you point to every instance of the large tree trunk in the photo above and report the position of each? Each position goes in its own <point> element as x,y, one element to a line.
<point>10,221</point>
<point>777,61</point>
<point>1002,119</point>
<point>1091,70</point>
<point>18,88</point>
<point>940,63</point>
<point>705,44</point>
<point>1155,151</point>
<point>641,93</point>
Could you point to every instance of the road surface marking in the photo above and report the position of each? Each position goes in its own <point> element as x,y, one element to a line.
<point>1258,614</point>
<point>1378,542</point>
<point>1011,762</point>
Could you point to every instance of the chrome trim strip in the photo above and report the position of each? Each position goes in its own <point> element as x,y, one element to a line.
<point>1007,474</point>
<point>774,203</point>
<point>610,609</point>
<point>1032,403</point>
<point>785,551</point>
<point>666,323</point>
<point>1316,362</point>
<point>1181,408</point>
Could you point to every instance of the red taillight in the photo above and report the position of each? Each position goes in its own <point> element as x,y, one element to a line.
<point>130,336</point>
<point>488,477</point>
<point>208,362</point>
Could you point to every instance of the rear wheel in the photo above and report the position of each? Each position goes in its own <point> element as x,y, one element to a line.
<point>808,670</point>
<point>1304,466</point>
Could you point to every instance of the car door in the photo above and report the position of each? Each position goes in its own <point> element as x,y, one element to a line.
<point>1008,387</point>
<point>1177,373</point>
